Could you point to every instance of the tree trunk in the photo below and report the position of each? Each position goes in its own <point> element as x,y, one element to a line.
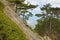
<point>16,8</point>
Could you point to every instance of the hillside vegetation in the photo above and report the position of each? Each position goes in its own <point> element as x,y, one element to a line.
<point>8,29</point>
<point>49,22</point>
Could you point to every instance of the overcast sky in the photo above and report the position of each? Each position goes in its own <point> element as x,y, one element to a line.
<point>41,2</point>
<point>32,21</point>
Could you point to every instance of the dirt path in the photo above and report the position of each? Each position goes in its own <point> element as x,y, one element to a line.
<point>14,17</point>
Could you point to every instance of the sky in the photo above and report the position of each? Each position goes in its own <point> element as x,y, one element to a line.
<point>32,20</point>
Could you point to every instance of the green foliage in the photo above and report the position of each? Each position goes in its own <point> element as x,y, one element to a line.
<point>16,1</point>
<point>1,6</point>
<point>23,8</point>
<point>8,29</point>
<point>33,6</point>
<point>39,15</point>
<point>40,27</point>
<point>49,22</point>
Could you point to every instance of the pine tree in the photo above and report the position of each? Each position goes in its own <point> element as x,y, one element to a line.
<point>48,24</point>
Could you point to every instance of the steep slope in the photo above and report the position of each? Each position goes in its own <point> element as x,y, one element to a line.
<point>8,29</point>
<point>14,17</point>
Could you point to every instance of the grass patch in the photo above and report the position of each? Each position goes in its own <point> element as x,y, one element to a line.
<point>8,29</point>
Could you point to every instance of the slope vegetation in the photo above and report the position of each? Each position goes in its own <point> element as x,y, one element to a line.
<point>8,29</point>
